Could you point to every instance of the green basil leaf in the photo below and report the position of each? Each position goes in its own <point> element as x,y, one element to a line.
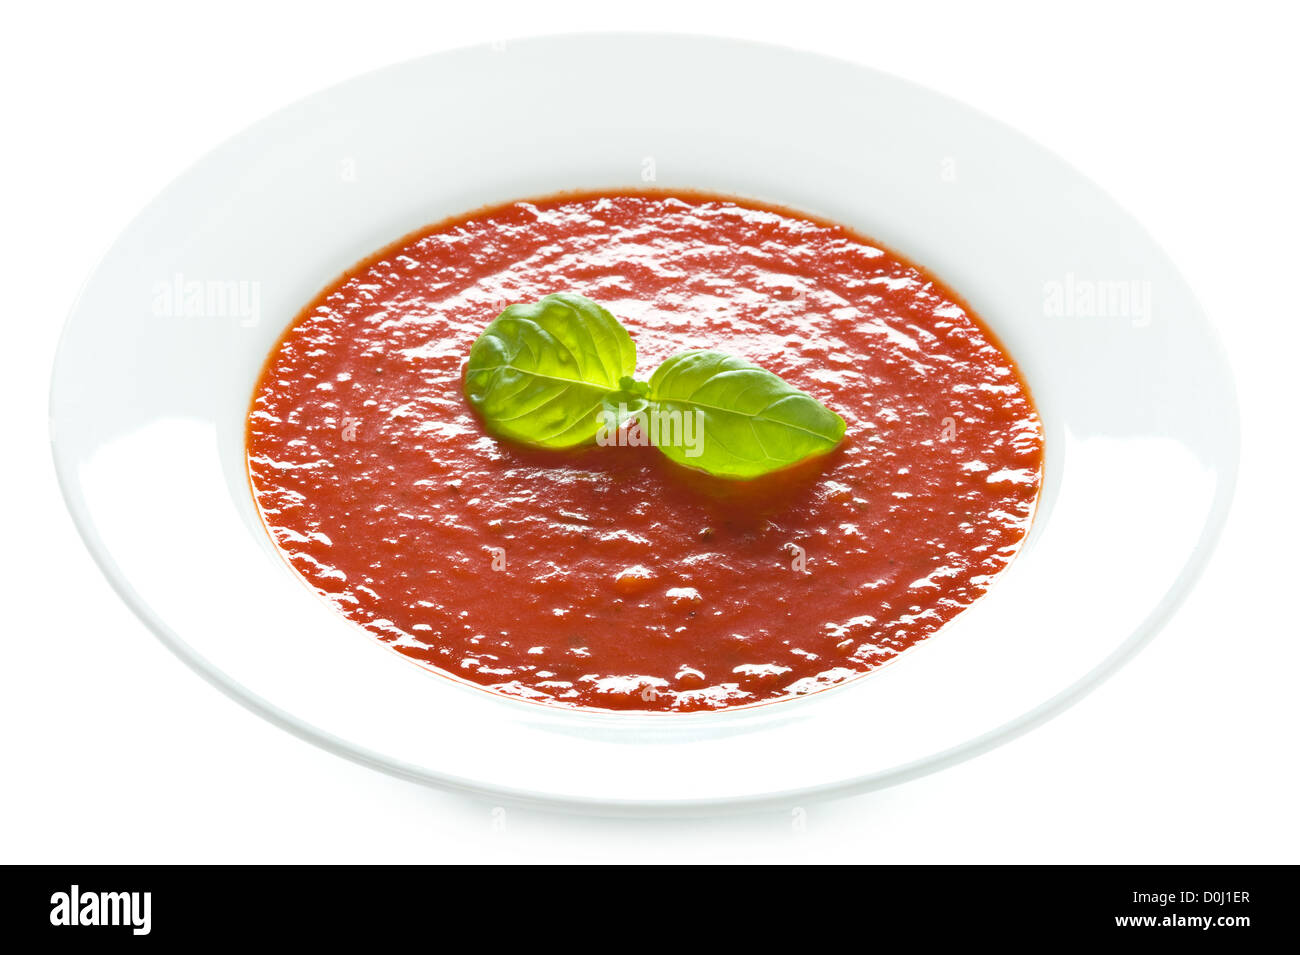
<point>540,373</point>
<point>746,421</point>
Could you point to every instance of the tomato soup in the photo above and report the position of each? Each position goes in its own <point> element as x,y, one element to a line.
<point>612,578</point>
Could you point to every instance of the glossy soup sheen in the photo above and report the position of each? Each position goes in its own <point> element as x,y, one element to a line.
<point>608,577</point>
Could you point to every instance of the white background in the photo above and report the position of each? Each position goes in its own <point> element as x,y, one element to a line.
<point>113,751</point>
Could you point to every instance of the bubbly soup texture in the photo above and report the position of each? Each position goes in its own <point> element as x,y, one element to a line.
<point>609,577</point>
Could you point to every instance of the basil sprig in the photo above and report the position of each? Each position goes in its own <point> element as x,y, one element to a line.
<point>558,373</point>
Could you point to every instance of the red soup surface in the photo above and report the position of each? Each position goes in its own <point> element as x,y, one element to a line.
<point>609,577</point>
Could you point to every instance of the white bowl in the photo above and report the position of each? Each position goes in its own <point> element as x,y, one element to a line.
<point>149,399</point>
